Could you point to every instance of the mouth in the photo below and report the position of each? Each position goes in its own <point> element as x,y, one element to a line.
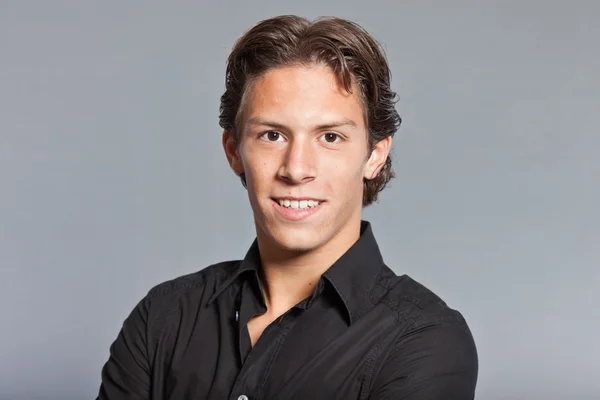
<point>296,209</point>
<point>298,204</point>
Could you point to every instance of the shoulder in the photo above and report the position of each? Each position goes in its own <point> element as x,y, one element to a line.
<point>412,301</point>
<point>431,353</point>
<point>170,300</point>
<point>425,322</point>
<point>206,278</point>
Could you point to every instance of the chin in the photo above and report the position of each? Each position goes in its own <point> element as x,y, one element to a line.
<point>295,240</point>
<point>298,247</point>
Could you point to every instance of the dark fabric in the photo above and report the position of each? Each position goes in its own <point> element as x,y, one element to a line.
<point>365,333</point>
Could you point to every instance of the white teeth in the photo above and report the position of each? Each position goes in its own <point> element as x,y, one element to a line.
<point>298,204</point>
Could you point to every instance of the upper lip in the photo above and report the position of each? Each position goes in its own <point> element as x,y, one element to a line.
<point>297,198</point>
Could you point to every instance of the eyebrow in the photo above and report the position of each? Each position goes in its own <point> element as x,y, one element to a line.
<point>277,125</point>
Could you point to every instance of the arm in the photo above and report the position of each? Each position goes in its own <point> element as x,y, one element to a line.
<point>432,361</point>
<point>126,374</point>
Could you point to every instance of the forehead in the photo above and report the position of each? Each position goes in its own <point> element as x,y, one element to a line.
<point>302,94</point>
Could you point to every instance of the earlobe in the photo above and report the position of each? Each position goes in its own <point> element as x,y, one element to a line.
<point>230,145</point>
<point>378,157</point>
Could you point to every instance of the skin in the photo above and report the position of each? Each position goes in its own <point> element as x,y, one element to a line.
<point>302,135</point>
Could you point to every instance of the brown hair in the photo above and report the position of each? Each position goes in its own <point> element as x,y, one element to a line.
<point>344,46</point>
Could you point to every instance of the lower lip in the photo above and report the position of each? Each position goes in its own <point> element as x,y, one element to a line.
<point>296,215</point>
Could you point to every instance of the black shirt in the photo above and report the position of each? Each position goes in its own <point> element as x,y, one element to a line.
<point>364,333</point>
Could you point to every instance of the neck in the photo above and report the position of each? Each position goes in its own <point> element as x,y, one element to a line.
<point>290,276</point>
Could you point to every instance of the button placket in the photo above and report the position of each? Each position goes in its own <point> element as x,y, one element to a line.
<point>255,352</point>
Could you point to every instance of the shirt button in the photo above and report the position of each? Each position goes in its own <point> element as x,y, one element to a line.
<point>243,397</point>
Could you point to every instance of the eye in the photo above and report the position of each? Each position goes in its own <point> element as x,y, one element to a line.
<point>331,137</point>
<point>272,136</point>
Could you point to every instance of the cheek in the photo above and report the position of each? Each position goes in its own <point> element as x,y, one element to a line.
<point>259,170</point>
<point>346,176</point>
<point>351,168</point>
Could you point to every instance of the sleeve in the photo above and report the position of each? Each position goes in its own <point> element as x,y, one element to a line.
<point>433,361</point>
<point>126,374</point>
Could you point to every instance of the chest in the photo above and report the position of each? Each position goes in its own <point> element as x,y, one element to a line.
<point>313,354</point>
<point>256,327</point>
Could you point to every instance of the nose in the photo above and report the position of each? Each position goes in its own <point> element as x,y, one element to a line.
<point>299,162</point>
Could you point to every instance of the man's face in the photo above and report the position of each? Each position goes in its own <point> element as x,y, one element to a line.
<point>303,149</point>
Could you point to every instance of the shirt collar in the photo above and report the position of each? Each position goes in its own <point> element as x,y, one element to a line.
<point>351,276</point>
<point>250,264</point>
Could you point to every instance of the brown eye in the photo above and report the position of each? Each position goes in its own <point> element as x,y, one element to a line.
<point>330,137</point>
<point>273,136</point>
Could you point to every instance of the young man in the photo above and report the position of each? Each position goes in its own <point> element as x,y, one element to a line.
<point>312,311</point>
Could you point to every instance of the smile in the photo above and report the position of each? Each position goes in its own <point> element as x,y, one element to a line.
<point>298,204</point>
<point>297,209</point>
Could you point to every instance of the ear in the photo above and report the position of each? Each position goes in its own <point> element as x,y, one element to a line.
<point>231,148</point>
<point>377,158</point>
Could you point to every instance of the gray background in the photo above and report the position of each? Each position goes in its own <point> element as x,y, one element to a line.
<point>113,178</point>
